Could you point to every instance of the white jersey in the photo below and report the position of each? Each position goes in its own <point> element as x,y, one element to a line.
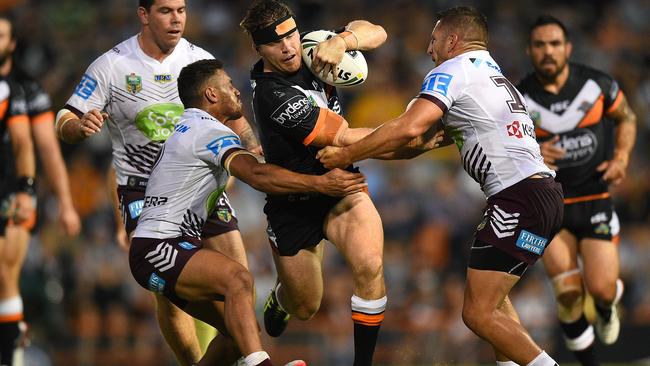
<point>188,178</point>
<point>140,96</point>
<point>487,119</point>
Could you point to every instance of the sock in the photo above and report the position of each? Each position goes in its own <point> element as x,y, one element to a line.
<point>257,358</point>
<point>605,311</point>
<point>543,359</point>
<point>507,363</point>
<point>367,316</point>
<point>11,314</point>
<point>579,337</point>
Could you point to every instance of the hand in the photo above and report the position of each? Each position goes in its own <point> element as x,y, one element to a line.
<point>428,141</point>
<point>333,157</point>
<point>338,183</point>
<point>92,122</point>
<point>327,55</point>
<point>22,207</point>
<point>122,238</point>
<point>551,153</point>
<point>69,220</point>
<point>615,171</point>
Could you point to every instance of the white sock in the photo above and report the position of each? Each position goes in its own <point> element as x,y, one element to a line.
<point>256,358</point>
<point>543,359</point>
<point>507,363</point>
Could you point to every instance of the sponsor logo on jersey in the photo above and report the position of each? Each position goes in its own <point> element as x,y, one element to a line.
<point>599,217</point>
<point>153,201</point>
<point>181,128</point>
<point>186,245</point>
<point>133,83</point>
<point>156,283</point>
<point>580,146</point>
<point>437,83</point>
<point>531,242</point>
<point>519,130</point>
<point>157,121</point>
<point>86,87</point>
<point>293,111</point>
<point>218,145</point>
<point>135,208</point>
<point>162,78</point>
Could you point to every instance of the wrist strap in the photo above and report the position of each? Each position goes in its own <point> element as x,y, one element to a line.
<point>26,185</point>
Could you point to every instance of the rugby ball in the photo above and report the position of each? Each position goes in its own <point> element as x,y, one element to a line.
<point>352,70</point>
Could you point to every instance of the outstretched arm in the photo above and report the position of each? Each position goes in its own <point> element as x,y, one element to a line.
<point>273,179</point>
<point>394,134</point>
<point>243,129</point>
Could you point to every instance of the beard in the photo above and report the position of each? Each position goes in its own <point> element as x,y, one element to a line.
<point>4,56</point>
<point>551,73</point>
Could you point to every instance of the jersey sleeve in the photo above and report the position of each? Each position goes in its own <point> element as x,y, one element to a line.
<point>92,92</point>
<point>39,104</point>
<point>612,94</point>
<point>17,107</point>
<point>442,85</point>
<point>290,112</point>
<point>216,145</point>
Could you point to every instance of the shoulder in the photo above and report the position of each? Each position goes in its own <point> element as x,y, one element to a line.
<point>193,51</point>
<point>527,84</point>
<point>587,72</point>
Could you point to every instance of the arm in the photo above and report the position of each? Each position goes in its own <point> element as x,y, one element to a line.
<point>615,169</point>
<point>243,129</point>
<point>121,236</point>
<point>23,149</point>
<point>392,135</point>
<point>358,35</point>
<point>50,153</point>
<point>273,179</point>
<point>73,127</point>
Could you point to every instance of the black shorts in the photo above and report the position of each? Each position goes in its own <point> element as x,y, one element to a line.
<point>157,263</point>
<point>522,219</point>
<point>221,220</point>
<point>295,222</point>
<point>594,219</point>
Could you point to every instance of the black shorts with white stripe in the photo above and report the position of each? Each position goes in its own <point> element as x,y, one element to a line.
<point>157,263</point>
<point>486,257</point>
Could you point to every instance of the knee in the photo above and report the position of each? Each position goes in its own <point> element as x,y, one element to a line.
<point>475,318</point>
<point>240,281</point>
<point>603,290</point>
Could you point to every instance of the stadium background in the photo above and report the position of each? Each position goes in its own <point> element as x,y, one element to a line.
<point>85,309</point>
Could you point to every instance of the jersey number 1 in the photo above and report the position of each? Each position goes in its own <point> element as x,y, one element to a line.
<point>515,103</point>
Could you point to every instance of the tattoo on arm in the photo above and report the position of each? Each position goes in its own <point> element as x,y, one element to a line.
<point>248,139</point>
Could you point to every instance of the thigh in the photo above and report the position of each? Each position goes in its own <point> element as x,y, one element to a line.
<point>562,254</point>
<point>600,261</point>
<point>301,275</point>
<point>355,228</point>
<point>208,312</point>
<point>486,291</point>
<point>229,244</point>
<point>206,275</point>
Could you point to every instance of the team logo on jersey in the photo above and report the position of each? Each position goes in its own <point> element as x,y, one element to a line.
<point>224,214</point>
<point>602,229</point>
<point>162,78</point>
<point>157,122</point>
<point>133,83</point>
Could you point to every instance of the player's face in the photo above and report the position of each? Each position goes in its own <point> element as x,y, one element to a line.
<point>549,51</point>
<point>229,97</point>
<point>283,56</point>
<point>166,22</point>
<point>437,45</point>
<point>7,45</point>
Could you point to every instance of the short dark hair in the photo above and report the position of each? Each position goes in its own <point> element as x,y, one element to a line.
<point>146,4</point>
<point>12,24</point>
<point>192,79</point>
<point>546,19</point>
<point>468,20</point>
<point>262,13</point>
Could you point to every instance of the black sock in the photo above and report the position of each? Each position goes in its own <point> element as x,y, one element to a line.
<point>605,311</point>
<point>574,330</point>
<point>365,339</point>
<point>9,333</point>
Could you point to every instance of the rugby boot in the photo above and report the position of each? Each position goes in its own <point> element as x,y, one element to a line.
<point>608,329</point>
<point>275,319</point>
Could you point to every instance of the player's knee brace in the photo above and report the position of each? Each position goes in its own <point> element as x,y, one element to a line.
<point>569,293</point>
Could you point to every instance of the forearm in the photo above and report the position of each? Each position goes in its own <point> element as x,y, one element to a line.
<point>243,129</point>
<point>273,179</point>
<point>50,154</point>
<point>625,139</point>
<point>383,140</point>
<point>70,130</point>
<point>368,35</point>
<point>111,183</point>
<point>23,149</point>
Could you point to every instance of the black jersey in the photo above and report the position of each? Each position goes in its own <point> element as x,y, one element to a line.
<point>39,104</point>
<point>578,115</point>
<point>286,109</point>
<point>13,109</point>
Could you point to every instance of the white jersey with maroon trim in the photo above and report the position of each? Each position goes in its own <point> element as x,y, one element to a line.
<point>487,119</point>
<point>140,96</point>
<point>188,178</point>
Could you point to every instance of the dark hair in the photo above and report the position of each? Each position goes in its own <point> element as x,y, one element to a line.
<point>192,79</point>
<point>12,24</point>
<point>262,13</point>
<point>546,19</point>
<point>468,21</point>
<point>146,4</point>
